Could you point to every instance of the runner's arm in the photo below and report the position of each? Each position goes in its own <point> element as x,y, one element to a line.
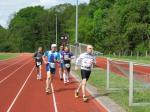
<point>34,56</point>
<point>78,60</point>
<point>58,57</point>
<point>44,57</point>
<point>94,61</point>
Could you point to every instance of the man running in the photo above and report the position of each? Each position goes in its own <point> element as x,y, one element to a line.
<point>86,60</point>
<point>50,58</point>
<point>38,62</point>
<point>61,62</point>
<point>67,56</point>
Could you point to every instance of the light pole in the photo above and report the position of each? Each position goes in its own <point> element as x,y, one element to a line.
<point>76,32</point>
<point>56,28</point>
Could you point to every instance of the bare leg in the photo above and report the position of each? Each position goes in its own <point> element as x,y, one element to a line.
<point>49,81</point>
<point>61,73</point>
<point>79,87</point>
<point>40,72</point>
<point>84,87</point>
<point>37,72</point>
<point>64,76</point>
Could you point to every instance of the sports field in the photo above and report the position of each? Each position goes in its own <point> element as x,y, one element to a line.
<point>5,56</point>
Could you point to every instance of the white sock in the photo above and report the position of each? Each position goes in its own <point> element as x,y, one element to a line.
<point>60,74</point>
<point>64,76</point>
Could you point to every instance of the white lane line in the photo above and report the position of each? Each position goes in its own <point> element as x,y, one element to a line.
<point>11,64</point>
<point>10,107</point>
<point>14,72</point>
<point>54,99</point>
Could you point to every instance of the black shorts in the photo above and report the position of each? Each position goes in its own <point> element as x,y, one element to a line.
<point>52,70</point>
<point>67,67</point>
<point>85,74</point>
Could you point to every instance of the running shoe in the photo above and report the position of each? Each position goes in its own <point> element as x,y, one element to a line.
<point>76,94</point>
<point>67,81</point>
<point>85,99</point>
<point>48,91</point>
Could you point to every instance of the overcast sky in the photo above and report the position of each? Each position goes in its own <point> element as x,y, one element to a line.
<point>9,7</point>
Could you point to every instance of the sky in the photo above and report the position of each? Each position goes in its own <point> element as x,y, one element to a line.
<point>9,7</point>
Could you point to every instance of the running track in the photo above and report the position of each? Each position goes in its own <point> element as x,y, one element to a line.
<point>21,92</point>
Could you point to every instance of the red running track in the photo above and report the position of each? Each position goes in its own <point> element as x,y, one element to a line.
<point>21,92</point>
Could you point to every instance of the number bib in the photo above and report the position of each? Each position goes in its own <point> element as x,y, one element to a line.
<point>38,58</point>
<point>66,57</point>
<point>67,65</point>
<point>38,63</point>
<point>86,63</point>
<point>52,65</point>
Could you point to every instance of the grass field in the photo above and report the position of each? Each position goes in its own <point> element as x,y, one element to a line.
<point>4,56</point>
<point>98,79</point>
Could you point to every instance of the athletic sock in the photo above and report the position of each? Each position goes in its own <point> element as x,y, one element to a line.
<point>64,76</point>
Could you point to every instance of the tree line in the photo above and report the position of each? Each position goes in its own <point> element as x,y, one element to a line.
<point>109,25</point>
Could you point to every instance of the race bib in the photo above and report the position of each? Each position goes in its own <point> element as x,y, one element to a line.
<point>66,56</point>
<point>61,61</point>
<point>52,65</point>
<point>38,58</point>
<point>86,63</point>
<point>67,65</point>
<point>38,63</point>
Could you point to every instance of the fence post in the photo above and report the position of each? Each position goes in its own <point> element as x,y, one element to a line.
<point>137,54</point>
<point>146,53</point>
<point>131,53</point>
<point>131,83</point>
<point>80,48</point>
<point>108,74</point>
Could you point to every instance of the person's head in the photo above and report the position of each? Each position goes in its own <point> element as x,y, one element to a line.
<point>40,49</point>
<point>67,49</point>
<point>53,47</point>
<point>61,48</point>
<point>89,49</point>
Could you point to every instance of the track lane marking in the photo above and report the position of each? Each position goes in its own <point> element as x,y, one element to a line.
<point>1,81</point>
<point>12,64</point>
<point>54,99</point>
<point>10,107</point>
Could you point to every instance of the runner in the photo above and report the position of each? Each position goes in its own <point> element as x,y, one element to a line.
<point>50,58</point>
<point>61,62</point>
<point>67,56</point>
<point>86,60</point>
<point>38,62</point>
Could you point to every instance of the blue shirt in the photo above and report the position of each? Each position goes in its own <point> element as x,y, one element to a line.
<point>51,56</point>
<point>67,55</point>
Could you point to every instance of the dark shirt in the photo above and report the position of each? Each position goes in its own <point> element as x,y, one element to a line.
<point>38,56</point>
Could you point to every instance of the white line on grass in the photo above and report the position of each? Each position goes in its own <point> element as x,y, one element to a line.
<point>13,72</point>
<point>10,107</point>
<point>54,99</point>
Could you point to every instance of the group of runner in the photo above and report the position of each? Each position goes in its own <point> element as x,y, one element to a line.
<point>63,58</point>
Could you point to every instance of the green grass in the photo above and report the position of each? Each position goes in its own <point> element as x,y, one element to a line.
<point>139,59</point>
<point>4,56</point>
<point>98,79</point>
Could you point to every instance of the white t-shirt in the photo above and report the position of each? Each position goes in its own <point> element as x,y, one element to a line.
<point>86,61</point>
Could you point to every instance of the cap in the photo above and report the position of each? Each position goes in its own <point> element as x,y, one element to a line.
<point>53,45</point>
